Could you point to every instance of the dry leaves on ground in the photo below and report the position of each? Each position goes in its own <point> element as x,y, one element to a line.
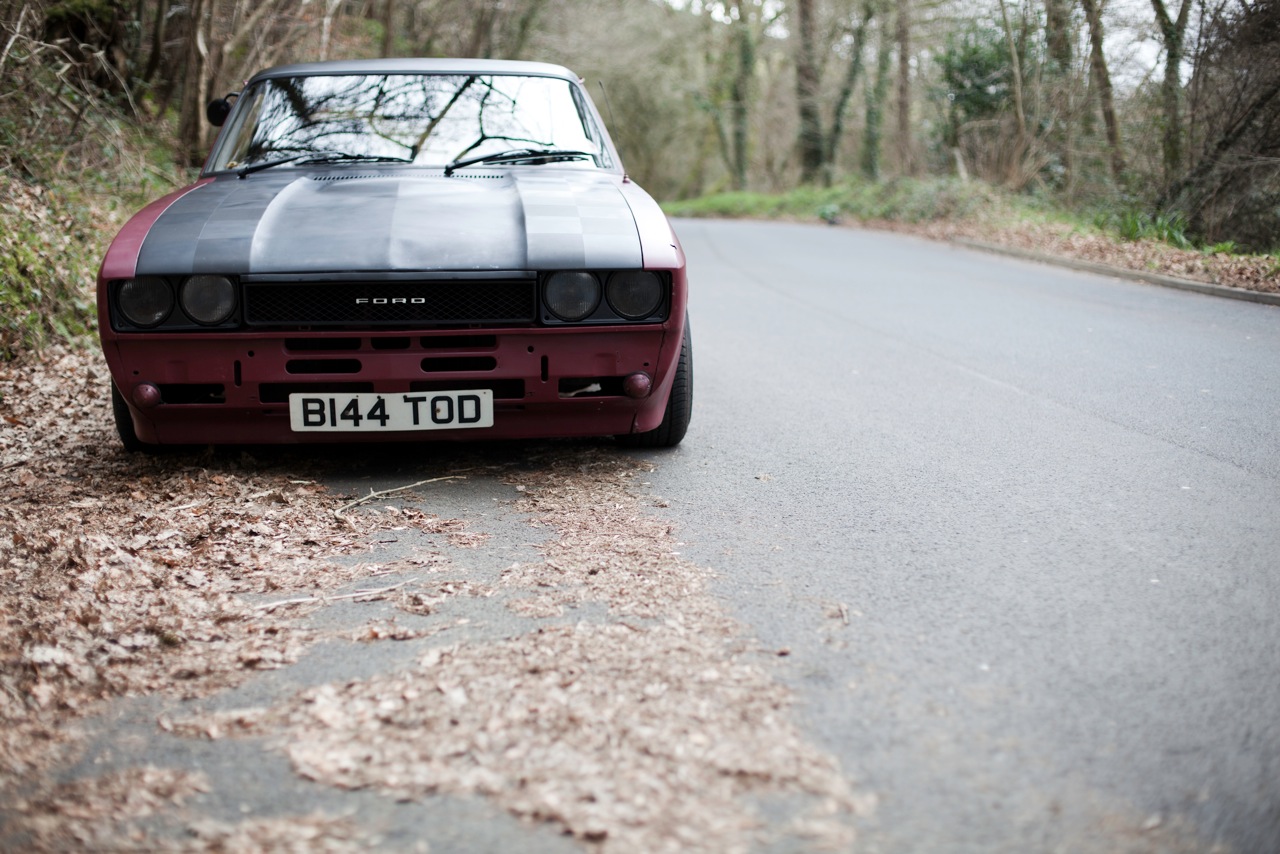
<point>644,733</point>
<point>124,574</point>
<point>654,725</point>
<point>1248,272</point>
<point>87,814</point>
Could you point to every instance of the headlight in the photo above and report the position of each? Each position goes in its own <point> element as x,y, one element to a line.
<point>571,296</point>
<point>634,294</point>
<point>208,300</point>
<point>145,302</point>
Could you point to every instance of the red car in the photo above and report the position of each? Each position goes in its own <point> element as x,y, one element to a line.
<point>400,250</point>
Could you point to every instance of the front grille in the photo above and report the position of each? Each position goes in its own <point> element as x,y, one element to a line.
<point>427,303</point>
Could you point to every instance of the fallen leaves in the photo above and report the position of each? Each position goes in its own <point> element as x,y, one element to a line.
<point>648,721</point>
<point>85,814</point>
<point>1249,272</point>
<point>641,739</point>
<point>653,730</point>
<point>125,574</point>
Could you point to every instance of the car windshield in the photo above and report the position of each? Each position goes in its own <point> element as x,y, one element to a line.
<point>426,119</point>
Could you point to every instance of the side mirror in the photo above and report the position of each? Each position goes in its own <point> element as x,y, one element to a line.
<point>218,110</point>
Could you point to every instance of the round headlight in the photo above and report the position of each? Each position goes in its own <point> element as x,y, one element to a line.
<point>571,295</point>
<point>145,302</point>
<point>634,294</point>
<point>208,300</point>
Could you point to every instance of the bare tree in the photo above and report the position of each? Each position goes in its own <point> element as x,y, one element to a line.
<point>1233,190</point>
<point>388,26</point>
<point>906,149</point>
<point>1059,38</point>
<point>1015,67</point>
<point>873,131</point>
<point>226,41</point>
<point>808,91</point>
<point>1173,33</point>
<point>741,90</point>
<point>857,33</point>
<point>1102,82</point>
<point>841,37</point>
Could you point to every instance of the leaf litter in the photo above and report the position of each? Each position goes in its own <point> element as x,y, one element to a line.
<point>127,575</point>
<point>654,725</point>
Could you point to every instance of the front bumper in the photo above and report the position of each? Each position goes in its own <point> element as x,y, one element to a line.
<point>232,388</point>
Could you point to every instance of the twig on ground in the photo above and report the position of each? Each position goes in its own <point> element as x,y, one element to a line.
<point>308,600</point>
<point>344,508</point>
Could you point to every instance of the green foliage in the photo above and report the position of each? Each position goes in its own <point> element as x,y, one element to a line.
<point>1168,228</point>
<point>71,168</point>
<point>803,202</point>
<point>85,10</point>
<point>49,251</point>
<point>901,200</point>
<point>976,74</point>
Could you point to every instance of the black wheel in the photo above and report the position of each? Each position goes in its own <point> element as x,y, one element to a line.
<point>124,426</point>
<point>675,419</point>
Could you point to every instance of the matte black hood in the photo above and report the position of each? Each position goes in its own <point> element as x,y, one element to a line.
<point>336,220</point>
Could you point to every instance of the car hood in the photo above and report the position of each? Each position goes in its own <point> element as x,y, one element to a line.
<point>340,220</point>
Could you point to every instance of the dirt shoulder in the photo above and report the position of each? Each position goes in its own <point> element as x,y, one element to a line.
<point>1054,241</point>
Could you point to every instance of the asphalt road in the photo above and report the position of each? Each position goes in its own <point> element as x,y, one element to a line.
<point>1017,528</point>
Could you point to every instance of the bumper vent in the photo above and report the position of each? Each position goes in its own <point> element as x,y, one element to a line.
<point>428,303</point>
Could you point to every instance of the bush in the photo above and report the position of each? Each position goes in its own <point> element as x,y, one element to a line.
<point>73,162</point>
<point>1131,225</point>
<point>49,252</point>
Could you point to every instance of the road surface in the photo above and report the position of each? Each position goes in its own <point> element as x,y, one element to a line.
<point>1049,503</point>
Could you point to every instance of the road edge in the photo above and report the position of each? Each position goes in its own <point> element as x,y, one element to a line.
<point>1262,297</point>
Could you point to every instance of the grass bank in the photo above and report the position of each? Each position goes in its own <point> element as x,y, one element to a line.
<point>53,233</point>
<point>903,200</point>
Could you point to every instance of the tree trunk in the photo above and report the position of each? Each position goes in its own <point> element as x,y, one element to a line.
<point>875,107</point>
<point>1172,34</point>
<point>157,41</point>
<point>191,122</point>
<point>807,94</point>
<point>1057,32</point>
<point>326,26</point>
<point>524,28</point>
<point>1102,80</point>
<point>388,29</point>
<point>481,44</point>
<point>1059,39</point>
<point>740,96</point>
<point>852,71</point>
<point>1230,136</point>
<point>906,151</point>
<point>1015,65</point>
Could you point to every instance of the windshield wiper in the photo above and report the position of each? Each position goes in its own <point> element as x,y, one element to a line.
<point>522,155</point>
<point>321,157</point>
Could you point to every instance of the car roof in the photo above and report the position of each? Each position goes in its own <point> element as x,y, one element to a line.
<point>417,65</point>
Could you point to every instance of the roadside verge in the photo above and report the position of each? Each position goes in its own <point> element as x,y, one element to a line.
<point>1121,272</point>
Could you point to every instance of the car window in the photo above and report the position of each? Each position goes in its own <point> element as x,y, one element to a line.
<point>427,119</point>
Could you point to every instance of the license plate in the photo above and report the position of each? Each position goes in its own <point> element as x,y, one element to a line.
<point>368,412</point>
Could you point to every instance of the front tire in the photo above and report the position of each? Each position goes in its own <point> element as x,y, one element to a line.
<point>675,418</point>
<point>124,425</point>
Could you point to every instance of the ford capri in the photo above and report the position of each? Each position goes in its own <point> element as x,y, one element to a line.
<point>400,250</point>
